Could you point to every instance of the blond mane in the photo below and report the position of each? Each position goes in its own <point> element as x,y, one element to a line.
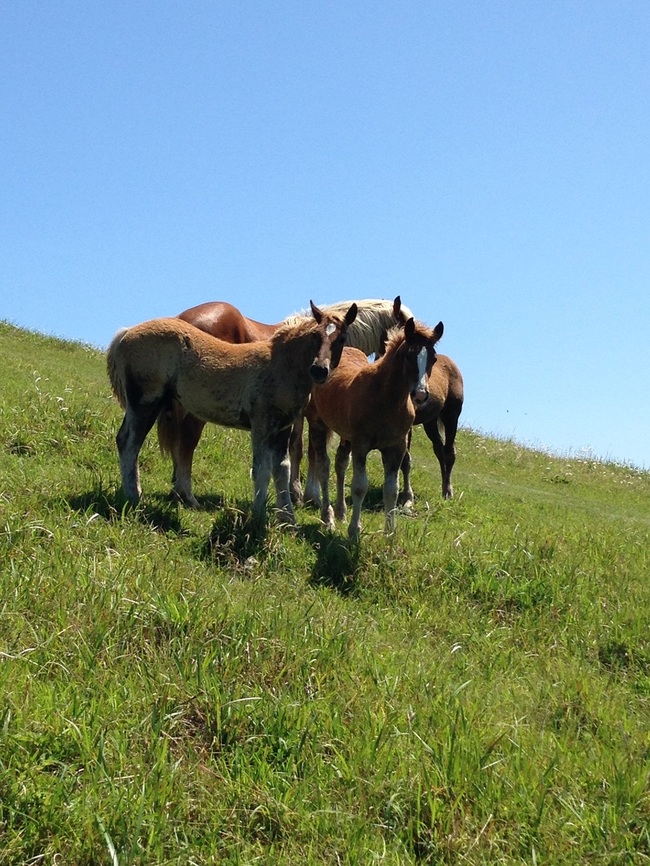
<point>374,318</point>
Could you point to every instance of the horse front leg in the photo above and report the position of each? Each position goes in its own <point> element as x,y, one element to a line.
<point>359,488</point>
<point>262,461</point>
<point>312,492</point>
<point>392,459</point>
<point>341,463</point>
<point>137,423</point>
<point>407,497</point>
<point>318,441</point>
<point>281,468</point>
<point>295,452</point>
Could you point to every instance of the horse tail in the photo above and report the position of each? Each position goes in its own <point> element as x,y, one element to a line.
<point>169,426</point>
<point>115,368</point>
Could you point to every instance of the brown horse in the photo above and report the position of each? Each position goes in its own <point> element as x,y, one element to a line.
<point>370,406</point>
<point>168,365</point>
<point>367,332</point>
<point>440,412</point>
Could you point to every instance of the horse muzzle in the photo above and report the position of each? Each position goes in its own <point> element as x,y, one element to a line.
<point>319,373</point>
<point>420,395</point>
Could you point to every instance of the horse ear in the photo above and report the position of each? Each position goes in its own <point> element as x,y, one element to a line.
<point>351,314</point>
<point>316,313</point>
<point>438,332</point>
<point>397,307</point>
<point>409,328</point>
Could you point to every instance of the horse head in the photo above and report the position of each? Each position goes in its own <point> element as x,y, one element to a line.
<point>420,356</point>
<point>333,330</point>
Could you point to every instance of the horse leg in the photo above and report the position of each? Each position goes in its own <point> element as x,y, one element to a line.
<point>341,462</point>
<point>262,470</point>
<point>392,458</point>
<point>318,440</point>
<point>182,449</point>
<point>445,452</point>
<point>406,497</point>
<point>312,492</point>
<point>295,452</point>
<point>137,423</point>
<point>449,416</point>
<point>359,488</point>
<point>278,445</point>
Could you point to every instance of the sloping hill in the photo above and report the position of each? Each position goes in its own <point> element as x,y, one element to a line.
<point>178,689</point>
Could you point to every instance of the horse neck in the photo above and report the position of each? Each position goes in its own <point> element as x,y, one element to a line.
<point>293,355</point>
<point>390,374</point>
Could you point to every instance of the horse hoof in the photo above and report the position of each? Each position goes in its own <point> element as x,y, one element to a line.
<point>327,518</point>
<point>188,500</point>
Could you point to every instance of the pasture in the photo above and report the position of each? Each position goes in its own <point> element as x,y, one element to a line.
<point>176,688</point>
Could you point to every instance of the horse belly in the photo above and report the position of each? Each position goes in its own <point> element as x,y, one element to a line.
<point>218,400</point>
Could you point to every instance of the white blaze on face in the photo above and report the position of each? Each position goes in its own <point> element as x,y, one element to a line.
<point>329,330</point>
<point>421,392</point>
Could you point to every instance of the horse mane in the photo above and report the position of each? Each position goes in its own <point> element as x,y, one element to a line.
<point>394,340</point>
<point>295,326</point>
<point>395,337</point>
<point>374,316</point>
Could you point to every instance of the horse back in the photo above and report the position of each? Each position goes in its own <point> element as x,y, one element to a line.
<point>222,320</point>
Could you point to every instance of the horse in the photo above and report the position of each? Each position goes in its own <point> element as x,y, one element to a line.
<point>370,406</point>
<point>220,319</point>
<point>262,386</point>
<point>440,412</point>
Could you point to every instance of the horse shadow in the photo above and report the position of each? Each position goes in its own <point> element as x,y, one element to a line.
<point>237,538</point>
<point>337,560</point>
<point>159,512</point>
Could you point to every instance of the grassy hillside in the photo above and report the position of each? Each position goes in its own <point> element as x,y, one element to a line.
<point>173,689</point>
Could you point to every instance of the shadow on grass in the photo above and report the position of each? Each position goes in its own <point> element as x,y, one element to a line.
<point>159,512</point>
<point>236,538</point>
<point>337,560</point>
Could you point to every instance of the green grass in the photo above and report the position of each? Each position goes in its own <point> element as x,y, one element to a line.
<point>177,687</point>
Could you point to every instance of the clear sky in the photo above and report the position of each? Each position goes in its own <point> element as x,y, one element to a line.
<point>487,160</point>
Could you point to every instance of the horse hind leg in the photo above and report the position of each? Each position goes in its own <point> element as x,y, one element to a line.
<point>189,433</point>
<point>449,418</point>
<point>137,423</point>
<point>444,451</point>
<point>359,488</point>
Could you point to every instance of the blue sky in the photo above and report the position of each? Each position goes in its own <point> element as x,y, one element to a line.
<point>488,161</point>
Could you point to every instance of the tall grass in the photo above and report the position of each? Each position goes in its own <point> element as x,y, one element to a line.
<point>177,687</point>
